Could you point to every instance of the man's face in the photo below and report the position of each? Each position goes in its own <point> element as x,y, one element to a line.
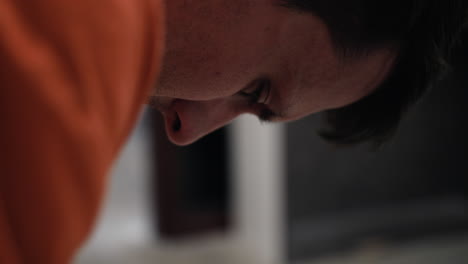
<point>225,58</point>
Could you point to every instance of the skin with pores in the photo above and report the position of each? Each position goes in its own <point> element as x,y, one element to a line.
<point>220,55</point>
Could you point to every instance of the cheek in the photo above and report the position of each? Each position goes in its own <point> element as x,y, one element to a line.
<point>200,72</point>
<point>218,68</point>
<point>220,54</point>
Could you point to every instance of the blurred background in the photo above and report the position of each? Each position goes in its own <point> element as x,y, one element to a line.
<point>253,193</point>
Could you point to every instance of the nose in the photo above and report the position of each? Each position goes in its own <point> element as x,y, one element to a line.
<point>187,121</point>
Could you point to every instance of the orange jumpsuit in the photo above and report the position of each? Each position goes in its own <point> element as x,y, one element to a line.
<point>73,78</point>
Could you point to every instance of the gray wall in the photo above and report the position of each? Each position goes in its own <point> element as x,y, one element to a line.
<point>342,195</point>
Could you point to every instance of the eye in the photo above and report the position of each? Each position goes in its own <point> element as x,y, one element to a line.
<point>258,92</point>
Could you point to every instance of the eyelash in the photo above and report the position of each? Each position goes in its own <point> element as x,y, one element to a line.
<point>264,86</point>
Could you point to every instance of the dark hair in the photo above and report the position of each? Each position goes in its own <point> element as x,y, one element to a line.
<point>424,31</point>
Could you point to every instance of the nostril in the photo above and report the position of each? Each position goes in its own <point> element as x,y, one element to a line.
<point>176,125</point>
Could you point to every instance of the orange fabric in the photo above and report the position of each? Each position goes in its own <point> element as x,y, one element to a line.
<point>73,77</point>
